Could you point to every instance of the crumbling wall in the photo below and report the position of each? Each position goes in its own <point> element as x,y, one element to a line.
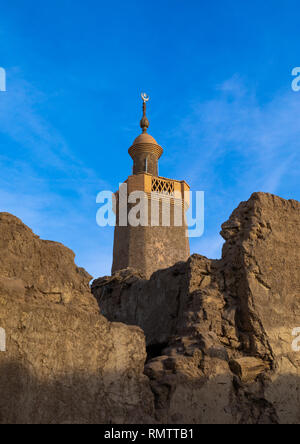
<point>64,362</point>
<point>219,333</point>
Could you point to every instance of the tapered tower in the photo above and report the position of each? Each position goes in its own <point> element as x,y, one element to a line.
<point>151,231</point>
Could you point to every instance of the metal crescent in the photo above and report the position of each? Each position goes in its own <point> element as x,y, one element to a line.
<point>145,97</point>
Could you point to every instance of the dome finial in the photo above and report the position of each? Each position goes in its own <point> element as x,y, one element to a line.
<point>144,122</point>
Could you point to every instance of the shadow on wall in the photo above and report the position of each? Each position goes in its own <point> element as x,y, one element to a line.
<point>68,399</point>
<point>82,398</point>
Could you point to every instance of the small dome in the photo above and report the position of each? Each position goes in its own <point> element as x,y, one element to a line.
<point>145,138</point>
<point>145,144</point>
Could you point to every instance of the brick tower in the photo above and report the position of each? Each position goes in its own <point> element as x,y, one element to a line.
<point>159,239</point>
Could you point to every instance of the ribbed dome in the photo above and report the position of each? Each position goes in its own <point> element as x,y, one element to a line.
<point>145,143</point>
<point>144,138</point>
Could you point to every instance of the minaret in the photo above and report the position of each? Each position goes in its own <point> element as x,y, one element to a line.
<point>160,239</point>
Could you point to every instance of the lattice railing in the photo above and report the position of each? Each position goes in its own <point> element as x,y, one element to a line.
<point>162,186</point>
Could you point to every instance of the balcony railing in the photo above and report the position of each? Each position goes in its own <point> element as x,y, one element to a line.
<point>162,186</point>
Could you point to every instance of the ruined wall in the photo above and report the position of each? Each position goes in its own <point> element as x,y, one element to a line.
<point>64,362</point>
<point>219,333</point>
<point>262,253</point>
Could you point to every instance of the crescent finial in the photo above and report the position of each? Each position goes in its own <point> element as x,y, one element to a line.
<point>145,97</point>
<point>144,122</point>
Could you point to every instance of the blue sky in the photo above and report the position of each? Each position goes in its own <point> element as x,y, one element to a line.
<point>219,77</point>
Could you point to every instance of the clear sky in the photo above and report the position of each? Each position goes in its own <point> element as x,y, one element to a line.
<point>219,77</point>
